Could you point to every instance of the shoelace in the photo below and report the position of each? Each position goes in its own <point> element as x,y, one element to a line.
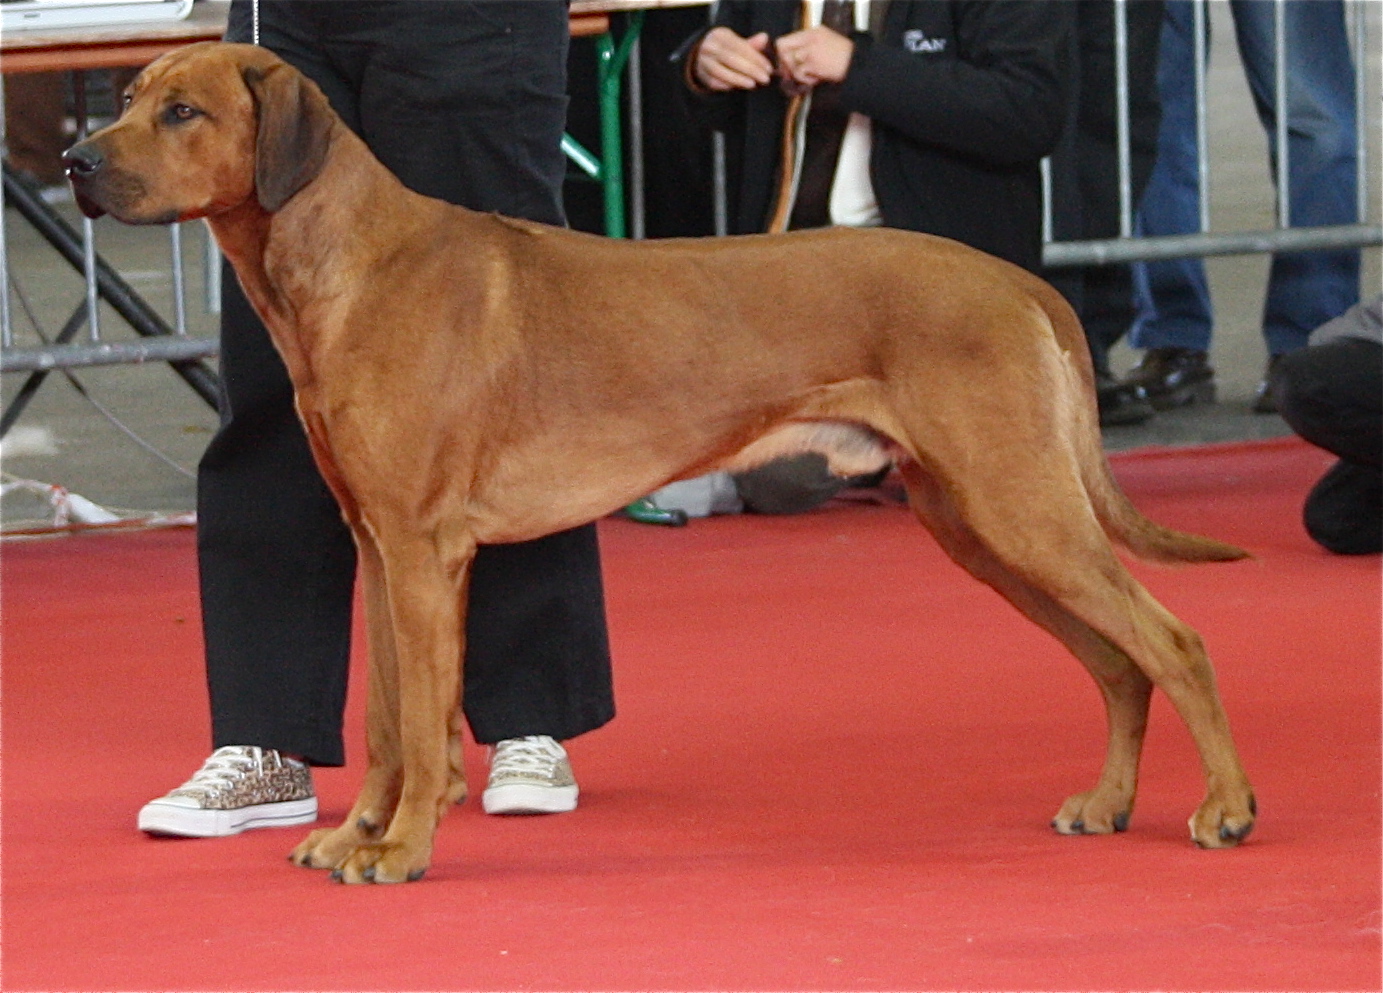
<point>224,767</point>
<point>535,753</point>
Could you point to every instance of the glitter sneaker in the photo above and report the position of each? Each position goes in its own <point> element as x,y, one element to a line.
<point>530,776</point>
<point>238,788</point>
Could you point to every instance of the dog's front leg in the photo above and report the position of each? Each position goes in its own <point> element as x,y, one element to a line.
<point>420,761</point>
<point>327,848</point>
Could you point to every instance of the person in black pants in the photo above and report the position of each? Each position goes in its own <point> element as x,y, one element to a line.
<point>1085,184</point>
<point>465,102</point>
<point>1331,393</point>
<point>947,109</point>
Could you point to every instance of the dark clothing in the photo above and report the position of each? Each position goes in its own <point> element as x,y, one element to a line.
<point>965,96</point>
<point>1085,165</point>
<point>465,102</point>
<point>677,154</point>
<point>1343,511</point>
<point>1332,395</point>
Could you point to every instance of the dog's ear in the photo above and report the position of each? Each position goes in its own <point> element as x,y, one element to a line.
<point>294,131</point>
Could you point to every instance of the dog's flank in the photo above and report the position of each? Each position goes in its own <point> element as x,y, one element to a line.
<point>466,379</point>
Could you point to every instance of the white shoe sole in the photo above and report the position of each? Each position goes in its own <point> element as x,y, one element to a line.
<point>519,798</point>
<point>159,817</point>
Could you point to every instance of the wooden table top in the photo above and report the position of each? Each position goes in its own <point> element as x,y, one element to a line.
<point>139,44</point>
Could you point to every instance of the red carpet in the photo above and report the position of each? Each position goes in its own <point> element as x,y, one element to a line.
<point>833,768</point>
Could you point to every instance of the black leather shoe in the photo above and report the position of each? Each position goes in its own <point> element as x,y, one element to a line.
<point>1264,400</point>
<point>1120,403</point>
<point>1174,377</point>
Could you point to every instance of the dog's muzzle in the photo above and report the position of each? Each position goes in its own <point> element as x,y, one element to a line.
<point>82,163</point>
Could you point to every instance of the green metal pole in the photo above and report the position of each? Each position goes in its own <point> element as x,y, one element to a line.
<point>610,65</point>
<point>584,160</point>
<point>611,136</point>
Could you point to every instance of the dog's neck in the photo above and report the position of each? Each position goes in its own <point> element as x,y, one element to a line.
<point>243,232</point>
<point>346,220</point>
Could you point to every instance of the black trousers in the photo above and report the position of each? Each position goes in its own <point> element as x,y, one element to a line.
<point>465,102</point>
<point>1085,165</point>
<point>1332,395</point>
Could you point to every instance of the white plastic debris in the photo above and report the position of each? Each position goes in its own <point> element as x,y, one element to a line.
<point>68,507</point>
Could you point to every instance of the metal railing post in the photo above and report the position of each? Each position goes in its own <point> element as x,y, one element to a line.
<point>179,288</point>
<point>1361,145</point>
<point>1048,231</point>
<point>720,195</point>
<point>1281,108</point>
<point>93,294</point>
<point>638,228</point>
<point>1200,40</point>
<point>1121,109</point>
<point>211,275</point>
<point>6,325</point>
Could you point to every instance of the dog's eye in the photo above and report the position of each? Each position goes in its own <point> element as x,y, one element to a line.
<point>179,112</point>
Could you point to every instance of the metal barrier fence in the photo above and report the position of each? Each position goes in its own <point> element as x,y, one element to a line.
<point>161,341</point>
<point>1284,237</point>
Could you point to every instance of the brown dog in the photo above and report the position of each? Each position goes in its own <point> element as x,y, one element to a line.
<point>468,379</point>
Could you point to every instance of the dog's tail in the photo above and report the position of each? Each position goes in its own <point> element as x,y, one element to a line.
<point>1144,538</point>
<point>1120,519</point>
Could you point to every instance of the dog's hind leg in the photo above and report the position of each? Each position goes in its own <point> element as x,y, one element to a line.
<point>1046,554</point>
<point>1125,688</point>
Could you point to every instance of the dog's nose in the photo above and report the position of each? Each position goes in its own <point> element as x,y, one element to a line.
<point>82,160</point>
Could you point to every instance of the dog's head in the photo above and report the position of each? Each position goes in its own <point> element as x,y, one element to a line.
<point>203,129</point>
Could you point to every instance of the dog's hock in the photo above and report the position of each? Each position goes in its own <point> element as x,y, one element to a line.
<point>294,132</point>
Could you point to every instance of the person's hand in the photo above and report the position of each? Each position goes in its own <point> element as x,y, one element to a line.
<point>817,55</point>
<point>725,61</point>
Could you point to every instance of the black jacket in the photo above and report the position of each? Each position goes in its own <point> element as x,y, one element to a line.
<point>966,97</point>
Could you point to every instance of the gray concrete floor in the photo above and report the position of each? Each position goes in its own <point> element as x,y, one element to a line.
<point>63,439</point>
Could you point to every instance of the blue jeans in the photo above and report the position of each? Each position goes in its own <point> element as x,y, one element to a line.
<point>1305,289</point>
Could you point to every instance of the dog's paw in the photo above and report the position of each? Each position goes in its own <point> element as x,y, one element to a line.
<point>328,848</point>
<point>384,862</point>
<point>306,852</point>
<point>1221,823</point>
<point>1091,813</point>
